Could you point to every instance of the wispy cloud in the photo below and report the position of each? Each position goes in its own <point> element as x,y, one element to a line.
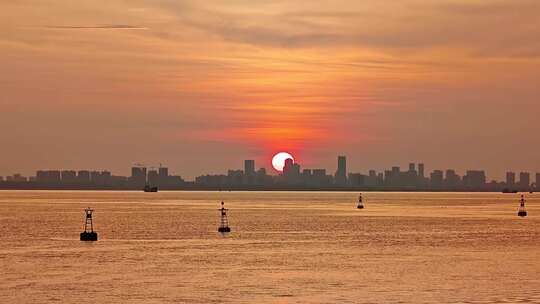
<point>97,27</point>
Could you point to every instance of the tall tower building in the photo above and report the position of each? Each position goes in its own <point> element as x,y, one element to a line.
<point>524,180</point>
<point>510,179</point>
<point>138,176</point>
<point>287,167</point>
<point>421,169</point>
<point>341,172</point>
<point>163,172</point>
<point>249,167</point>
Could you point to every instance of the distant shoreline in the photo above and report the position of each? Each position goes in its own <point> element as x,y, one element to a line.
<point>245,189</point>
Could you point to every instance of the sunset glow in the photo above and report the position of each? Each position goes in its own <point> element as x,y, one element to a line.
<point>191,78</point>
<point>278,161</point>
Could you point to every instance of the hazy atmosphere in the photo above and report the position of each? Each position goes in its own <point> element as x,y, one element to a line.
<point>202,85</point>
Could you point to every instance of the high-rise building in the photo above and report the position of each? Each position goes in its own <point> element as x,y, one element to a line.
<point>291,172</point>
<point>163,172</point>
<point>249,167</point>
<point>510,179</point>
<point>83,176</point>
<point>393,178</point>
<point>306,176</point>
<point>475,179</point>
<point>48,176</point>
<point>320,178</point>
<point>163,176</point>
<point>356,179</point>
<point>421,169</point>
<point>69,176</point>
<point>436,178</point>
<point>16,178</point>
<point>153,178</point>
<point>341,172</point>
<point>138,177</point>
<point>524,180</point>
<point>95,177</point>
<point>452,179</point>
<point>235,177</point>
<point>411,176</point>
<point>102,178</point>
<point>262,178</point>
<point>287,167</point>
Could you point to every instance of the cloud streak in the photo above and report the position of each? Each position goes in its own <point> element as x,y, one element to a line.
<point>96,27</point>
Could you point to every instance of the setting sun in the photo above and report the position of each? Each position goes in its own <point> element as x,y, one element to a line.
<point>278,161</point>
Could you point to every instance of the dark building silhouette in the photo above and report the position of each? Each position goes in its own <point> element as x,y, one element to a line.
<point>292,178</point>
<point>356,180</point>
<point>219,180</point>
<point>411,176</point>
<point>69,177</point>
<point>249,172</point>
<point>163,179</point>
<point>474,179</point>
<point>138,177</point>
<point>524,180</point>
<point>320,178</point>
<point>340,178</point>
<point>392,177</point>
<point>48,176</point>
<point>371,180</point>
<point>83,177</point>
<point>249,167</point>
<point>307,177</point>
<point>510,180</point>
<point>421,172</point>
<point>16,178</point>
<point>100,178</point>
<point>263,179</point>
<point>291,172</point>
<point>452,180</point>
<point>437,179</point>
<point>153,178</point>
<point>235,177</point>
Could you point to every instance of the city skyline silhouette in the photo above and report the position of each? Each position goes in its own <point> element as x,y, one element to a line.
<point>287,175</point>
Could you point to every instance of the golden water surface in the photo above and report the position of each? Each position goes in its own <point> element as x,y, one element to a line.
<point>285,247</point>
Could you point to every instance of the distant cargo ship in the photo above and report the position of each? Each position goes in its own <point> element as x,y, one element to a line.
<point>148,188</point>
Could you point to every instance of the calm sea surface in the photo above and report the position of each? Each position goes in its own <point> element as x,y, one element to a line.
<point>285,247</point>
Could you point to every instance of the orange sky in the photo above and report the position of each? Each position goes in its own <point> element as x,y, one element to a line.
<point>202,85</point>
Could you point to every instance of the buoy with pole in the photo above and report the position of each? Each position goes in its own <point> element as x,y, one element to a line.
<point>89,234</point>
<point>522,212</point>
<point>360,204</point>
<point>224,223</point>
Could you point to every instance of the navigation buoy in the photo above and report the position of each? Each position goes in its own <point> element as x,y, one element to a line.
<point>522,211</point>
<point>224,224</point>
<point>360,202</point>
<point>89,234</point>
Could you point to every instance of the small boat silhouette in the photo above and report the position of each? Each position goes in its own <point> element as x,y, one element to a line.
<point>149,188</point>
